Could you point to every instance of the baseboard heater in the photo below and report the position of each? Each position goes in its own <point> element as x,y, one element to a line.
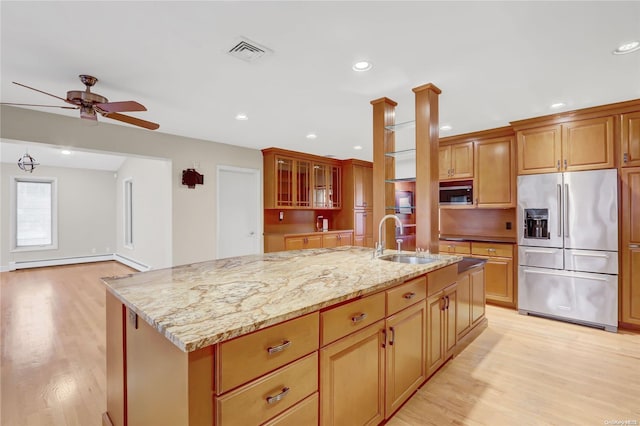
<point>26,264</point>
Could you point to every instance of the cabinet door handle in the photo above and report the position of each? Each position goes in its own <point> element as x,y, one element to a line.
<point>634,246</point>
<point>565,164</point>
<point>275,398</point>
<point>279,348</point>
<point>409,295</point>
<point>447,297</point>
<point>476,201</point>
<point>357,318</point>
<point>625,157</point>
<point>393,335</point>
<point>558,165</point>
<point>384,337</point>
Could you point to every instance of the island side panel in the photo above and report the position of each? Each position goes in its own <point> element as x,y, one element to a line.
<point>116,386</point>
<point>157,377</point>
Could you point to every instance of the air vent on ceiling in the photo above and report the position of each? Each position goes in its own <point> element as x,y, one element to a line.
<point>248,50</point>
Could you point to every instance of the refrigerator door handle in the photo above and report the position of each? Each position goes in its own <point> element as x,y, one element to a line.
<point>559,202</point>
<point>604,256</point>
<point>527,251</point>
<point>566,210</point>
<point>531,271</point>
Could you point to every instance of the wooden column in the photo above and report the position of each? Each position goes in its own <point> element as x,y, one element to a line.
<point>427,180</point>
<point>383,166</point>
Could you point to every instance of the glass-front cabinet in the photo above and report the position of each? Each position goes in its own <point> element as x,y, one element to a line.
<point>326,186</point>
<point>292,182</point>
<point>300,182</point>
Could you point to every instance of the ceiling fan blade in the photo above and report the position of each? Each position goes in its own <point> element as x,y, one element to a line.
<point>37,105</point>
<point>120,106</point>
<point>132,120</point>
<point>38,90</point>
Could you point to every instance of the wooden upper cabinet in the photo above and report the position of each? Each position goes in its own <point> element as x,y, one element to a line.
<point>363,187</point>
<point>495,173</point>
<point>587,144</point>
<point>630,140</point>
<point>539,150</point>
<point>297,181</point>
<point>456,161</point>
<point>572,146</point>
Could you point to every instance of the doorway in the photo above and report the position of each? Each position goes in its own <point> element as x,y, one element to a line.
<point>239,227</point>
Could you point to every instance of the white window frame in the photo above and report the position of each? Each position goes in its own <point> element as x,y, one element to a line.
<point>127,210</point>
<point>14,213</point>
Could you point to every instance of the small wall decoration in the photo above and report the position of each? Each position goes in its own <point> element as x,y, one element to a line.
<point>191,178</point>
<point>404,202</point>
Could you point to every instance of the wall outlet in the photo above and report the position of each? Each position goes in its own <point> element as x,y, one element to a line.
<point>508,225</point>
<point>281,216</point>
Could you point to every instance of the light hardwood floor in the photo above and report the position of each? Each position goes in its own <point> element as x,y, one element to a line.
<point>520,370</point>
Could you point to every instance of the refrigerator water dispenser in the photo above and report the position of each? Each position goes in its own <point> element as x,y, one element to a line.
<point>536,223</point>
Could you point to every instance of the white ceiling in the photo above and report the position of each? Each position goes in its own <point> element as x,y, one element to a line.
<point>46,155</point>
<point>494,62</point>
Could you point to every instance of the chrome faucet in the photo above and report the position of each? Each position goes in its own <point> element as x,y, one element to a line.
<point>380,246</point>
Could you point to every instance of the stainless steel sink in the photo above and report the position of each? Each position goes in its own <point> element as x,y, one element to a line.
<point>407,258</point>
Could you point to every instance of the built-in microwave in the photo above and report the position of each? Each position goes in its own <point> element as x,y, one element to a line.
<point>458,192</point>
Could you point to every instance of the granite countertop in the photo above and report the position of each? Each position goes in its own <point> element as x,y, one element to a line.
<point>484,239</point>
<point>287,233</point>
<point>200,304</point>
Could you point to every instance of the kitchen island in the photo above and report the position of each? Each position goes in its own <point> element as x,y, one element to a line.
<point>214,342</point>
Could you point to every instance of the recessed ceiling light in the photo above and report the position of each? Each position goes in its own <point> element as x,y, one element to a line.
<point>445,127</point>
<point>312,136</point>
<point>558,105</point>
<point>65,152</point>
<point>362,66</point>
<point>242,117</point>
<point>357,147</point>
<point>625,48</point>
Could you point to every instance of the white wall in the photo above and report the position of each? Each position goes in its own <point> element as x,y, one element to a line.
<point>151,211</point>
<point>86,213</point>
<point>193,210</point>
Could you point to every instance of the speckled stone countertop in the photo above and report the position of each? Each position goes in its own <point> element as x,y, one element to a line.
<point>204,303</point>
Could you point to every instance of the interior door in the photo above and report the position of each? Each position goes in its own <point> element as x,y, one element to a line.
<point>239,227</point>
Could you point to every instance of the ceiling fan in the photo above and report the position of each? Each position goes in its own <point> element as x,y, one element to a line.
<point>91,104</point>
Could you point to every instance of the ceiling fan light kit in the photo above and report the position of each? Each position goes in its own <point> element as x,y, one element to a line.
<point>91,104</point>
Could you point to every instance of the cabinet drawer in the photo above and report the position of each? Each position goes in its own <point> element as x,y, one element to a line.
<point>247,357</point>
<point>353,316</point>
<point>304,413</point>
<point>406,295</point>
<point>270,395</point>
<point>492,249</point>
<point>455,247</point>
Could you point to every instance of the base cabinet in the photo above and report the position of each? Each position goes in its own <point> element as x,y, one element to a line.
<point>471,300</point>
<point>405,355</point>
<point>499,272</point>
<point>352,379</point>
<point>441,327</point>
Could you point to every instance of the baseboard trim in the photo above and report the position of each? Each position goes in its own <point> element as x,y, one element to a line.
<point>132,263</point>
<point>26,264</point>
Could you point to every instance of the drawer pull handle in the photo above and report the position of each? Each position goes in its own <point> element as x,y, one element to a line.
<point>278,397</point>
<point>356,319</point>
<point>409,295</point>
<point>279,348</point>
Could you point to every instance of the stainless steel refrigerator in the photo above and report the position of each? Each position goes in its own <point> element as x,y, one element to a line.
<point>568,247</point>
